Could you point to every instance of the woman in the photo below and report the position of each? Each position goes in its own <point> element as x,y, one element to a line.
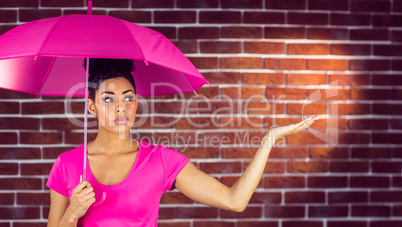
<point>135,174</point>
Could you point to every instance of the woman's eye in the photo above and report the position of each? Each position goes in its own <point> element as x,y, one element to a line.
<point>129,98</point>
<point>108,99</point>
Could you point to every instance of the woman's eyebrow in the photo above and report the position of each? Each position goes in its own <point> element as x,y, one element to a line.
<point>124,92</point>
<point>112,93</point>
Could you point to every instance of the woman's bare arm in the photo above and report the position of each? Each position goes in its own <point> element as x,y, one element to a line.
<point>58,207</point>
<point>205,189</point>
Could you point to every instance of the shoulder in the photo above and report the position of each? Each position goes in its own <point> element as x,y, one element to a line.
<point>158,149</point>
<point>73,156</point>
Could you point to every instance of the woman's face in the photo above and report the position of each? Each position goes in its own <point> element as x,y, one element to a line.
<point>115,105</point>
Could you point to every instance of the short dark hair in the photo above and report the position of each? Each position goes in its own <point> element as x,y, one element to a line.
<point>101,69</point>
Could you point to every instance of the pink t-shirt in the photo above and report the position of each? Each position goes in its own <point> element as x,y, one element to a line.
<point>132,202</point>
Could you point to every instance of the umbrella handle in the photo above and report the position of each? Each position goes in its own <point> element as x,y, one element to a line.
<point>101,201</point>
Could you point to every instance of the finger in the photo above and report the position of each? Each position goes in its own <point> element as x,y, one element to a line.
<point>305,124</point>
<point>81,186</point>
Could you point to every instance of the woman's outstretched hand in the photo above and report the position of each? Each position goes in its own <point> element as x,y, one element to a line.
<point>282,131</point>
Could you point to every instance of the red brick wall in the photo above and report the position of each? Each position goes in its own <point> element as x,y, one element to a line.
<point>269,62</point>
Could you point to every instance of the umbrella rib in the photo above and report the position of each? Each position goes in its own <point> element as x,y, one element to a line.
<point>135,41</point>
<point>51,30</point>
<point>189,84</point>
<point>46,76</point>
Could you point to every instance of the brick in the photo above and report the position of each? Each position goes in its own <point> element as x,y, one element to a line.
<point>284,211</point>
<point>369,34</point>
<point>370,94</point>
<point>214,224</point>
<point>196,212</point>
<point>370,6</point>
<point>271,167</point>
<point>19,153</point>
<point>175,198</point>
<point>396,36</point>
<point>350,79</point>
<point>36,168</point>
<point>349,49</point>
<point>302,223</point>
<point>263,107</point>
<point>7,16</point>
<point>220,47</point>
<point>108,4</point>
<point>9,108</point>
<point>186,46</point>
<point>20,183</point>
<point>393,138</point>
<point>40,138</point>
<point>326,182</point>
<point>396,124</point>
<point>327,64</point>
<point>197,123</point>
<point>349,167</point>
<point>369,65</point>
<point>183,17</point>
<point>288,5</point>
<point>168,32</point>
<point>285,63</point>
<point>197,4</point>
<point>219,17</point>
<point>19,3</point>
<point>328,34</point>
<point>387,50</point>
<point>347,224</point>
<point>329,152</point>
<point>200,152</point>
<point>19,212</point>
<point>263,78</point>
<point>245,92</point>
<point>328,5</point>
<point>9,169</point>
<point>385,223</point>
<point>133,16</point>
<point>285,33</point>
<point>238,153</point>
<point>242,32</point>
<point>306,79</point>
<point>289,152</point>
<point>204,62</point>
<point>33,198</point>
<point>6,27</point>
<point>241,63</point>
<point>77,11</point>
<point>353,109</point>
<point>242,4</point>
<point>348,197</point>
<point>304,197</point>
<point>328,211</point>
<point>6,199</point>
<point>242,223</point>
<point>174,224</point>
<point>371,211</point>
<point>240,123</point>
<point>26,15</point>
<point>353,138</point>
<point>266,198</point>
<point>385,196</point>
<point>208,92</point>
<point>249,212</point>
<point>350,19</point>
<point>166,213</point>
<point>308,18</point>
<point>219,107</point>
<point>263,18</point>
<point>284,182</point>
<point>369,182</point>
<point>19,123</point>
<point>264,47</point>
<point>199,33</point>
<point>8,138</point>
<point>307,167</point>
<point>223,77</point>
<point>304,138</point>
<point>371,152</point>
<point>386,167</point>
<point>387,20</point>
<point>307,108</point>
<point>221,167</point>
<point>9,94</point>
<point>61,3</point>
<point>308,49</point>
<point>152,4</point>
<point>174,107</point>
<point>43,108</point>
<point>373,124</point>
<point>395,80</point>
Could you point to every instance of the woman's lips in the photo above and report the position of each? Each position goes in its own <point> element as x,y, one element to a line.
<point>121,120</point>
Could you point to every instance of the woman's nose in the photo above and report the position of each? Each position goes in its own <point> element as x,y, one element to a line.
<point>120,106</point>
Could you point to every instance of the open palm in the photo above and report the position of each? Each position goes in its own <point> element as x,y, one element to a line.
<point>282,131</point>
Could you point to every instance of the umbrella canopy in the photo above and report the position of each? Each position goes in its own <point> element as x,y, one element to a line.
<point>45,57</point>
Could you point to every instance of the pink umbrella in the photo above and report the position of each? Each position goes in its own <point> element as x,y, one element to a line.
<point>45,57</point>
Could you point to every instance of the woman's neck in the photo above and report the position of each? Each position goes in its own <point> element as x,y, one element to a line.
<point>112,143</point>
